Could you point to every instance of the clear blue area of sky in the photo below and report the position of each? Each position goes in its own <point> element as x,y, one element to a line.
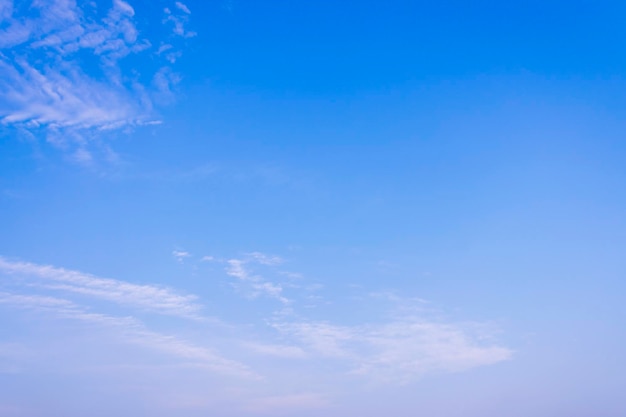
<point>470,154</point>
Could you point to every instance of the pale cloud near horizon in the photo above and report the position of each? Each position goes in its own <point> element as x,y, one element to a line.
<point>398,351</point>
<point>131,330</point>
<point>397,348</point>
<point>408,345</point>
<point>61,72</point>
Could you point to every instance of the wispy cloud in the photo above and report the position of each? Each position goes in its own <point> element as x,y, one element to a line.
<point>153,298</point>
<point>265,259</point>
<point>130,330</point>
<point>178,17</point>
<point>399,350</point>
<point>252,283</point>
<point>411,342</point>
<point>402,344</point>
<point>402,339</point>
<point>322,339</point>
<point>59,67</point>
<point>413,347</point>
<point>180,255</point>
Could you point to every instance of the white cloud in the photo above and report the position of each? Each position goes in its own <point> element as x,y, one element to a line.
<point>124,7</point>
<point>264,259</point>
<point>59,68</point>
<point>253,284</point>
<point>179,18</point>
<point>153,298</point>
<point>398,351</point>
<point>61,97</point>
<point>200,356</point>
<point>236,269</point>
<point>180,255</point>
<point>132,331</point>
<point>413,347</point>
<point>323,339</point>
<point>399,346</point>
<point>183,7</point>
<point>164,82</point>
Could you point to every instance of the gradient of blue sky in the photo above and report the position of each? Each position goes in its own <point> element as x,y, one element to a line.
<point>245,208</point>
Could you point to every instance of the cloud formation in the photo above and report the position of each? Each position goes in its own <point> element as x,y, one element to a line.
<point>400,346</point>
<point>152,298</point>
<point>254,284</point>
<point>179,17</point>
<point>130,330</point>
<point>180,255</point>
<point>398,351</point>
<point>63,68</point>
<point>409,344</point>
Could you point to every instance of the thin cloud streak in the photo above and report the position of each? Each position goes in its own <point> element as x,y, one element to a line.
<point>180,255</point>
<point>253,284</point>
<point>406,346</point>
<point>132,331</point>
<point>152,298</point>
<point>398,351</point>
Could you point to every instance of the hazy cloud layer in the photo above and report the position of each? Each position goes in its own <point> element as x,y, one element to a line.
<point>398,351</point>
<point>400,347</point>
<point>131,330</point>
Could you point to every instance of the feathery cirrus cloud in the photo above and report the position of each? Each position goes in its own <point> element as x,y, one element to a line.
<point>152,298</point>
<point>130,330</point>
<point>399,347</point>
<point>64,72</point>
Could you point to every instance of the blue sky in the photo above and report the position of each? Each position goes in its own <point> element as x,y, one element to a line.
<point>244,208</point>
